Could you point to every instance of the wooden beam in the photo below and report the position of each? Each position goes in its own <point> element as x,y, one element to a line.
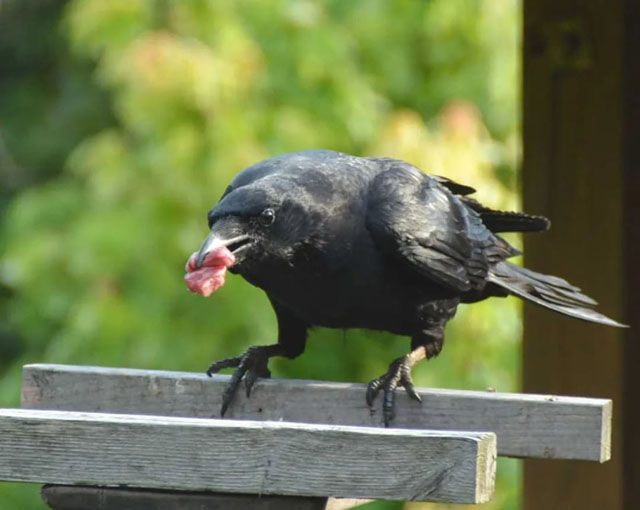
<point>77,497</point>
<point>65,497</point>
<point>526,425</point>
<point>581,119</point>
<point>248,457</point>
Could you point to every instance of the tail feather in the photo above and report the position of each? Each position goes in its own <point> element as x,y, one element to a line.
<point>554,288</point>
<point>565,297</point>
<point>548,291</point>
<point>507,221</point>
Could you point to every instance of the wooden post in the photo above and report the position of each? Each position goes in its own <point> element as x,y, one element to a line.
<point>581,125</point>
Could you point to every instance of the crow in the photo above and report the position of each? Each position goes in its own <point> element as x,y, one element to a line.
<point>341,241</point>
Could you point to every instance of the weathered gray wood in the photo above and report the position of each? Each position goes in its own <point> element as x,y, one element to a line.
<point>526,425</point>
<point>64,497</point>
<point>249,457</point>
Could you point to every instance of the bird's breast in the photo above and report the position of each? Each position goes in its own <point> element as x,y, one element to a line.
<point>365,297</point>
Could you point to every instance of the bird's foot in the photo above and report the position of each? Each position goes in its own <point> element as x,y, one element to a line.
<point>399,374</point>
<point>250,365</point>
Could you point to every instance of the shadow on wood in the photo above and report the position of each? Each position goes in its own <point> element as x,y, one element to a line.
<point>62,497</point>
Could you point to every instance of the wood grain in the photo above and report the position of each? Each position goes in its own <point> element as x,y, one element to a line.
<point>580,168</point>
<point>540,426</point>
<point>248,457</point>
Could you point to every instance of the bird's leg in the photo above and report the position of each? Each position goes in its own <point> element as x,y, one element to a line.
<point>399,374</point>
<point>250,365</point>
<point>292,335</point>
<point>426,343</point>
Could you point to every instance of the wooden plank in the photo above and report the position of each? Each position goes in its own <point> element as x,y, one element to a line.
<point>76,497</point>
<point>64,497</point>
<point>580,168</point>
<point>248,457</point>
<point>526,425</point>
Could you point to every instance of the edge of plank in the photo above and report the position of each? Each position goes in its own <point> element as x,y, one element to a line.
<point>485,469</point>
<point>218,423</point>
<point>607,419</point>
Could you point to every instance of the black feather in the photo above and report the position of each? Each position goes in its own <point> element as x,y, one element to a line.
<point>508,221</point>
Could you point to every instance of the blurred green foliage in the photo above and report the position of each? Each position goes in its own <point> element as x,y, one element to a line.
<point>122,122</point>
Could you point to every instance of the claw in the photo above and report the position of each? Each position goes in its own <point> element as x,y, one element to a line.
<point>411,391</point>
<point>231,389</point>
<point>388,403</point>
<point>250,366</point>
<point>253,376</point>
<point>399,373</point>
<point>227,397</point>
<point>223,363</point>
<point>373,388</point>
<point>249,381</point>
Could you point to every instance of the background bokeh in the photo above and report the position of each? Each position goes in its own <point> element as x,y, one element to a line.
<point>122,122</point>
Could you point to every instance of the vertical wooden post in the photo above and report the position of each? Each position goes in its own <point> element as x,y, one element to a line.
<point>581,127</point>
<point>631,260</point>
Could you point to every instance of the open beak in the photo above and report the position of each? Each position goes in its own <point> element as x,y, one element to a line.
<point>215,240</point>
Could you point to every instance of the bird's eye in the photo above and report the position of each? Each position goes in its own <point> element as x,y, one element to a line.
<point>267,217</point>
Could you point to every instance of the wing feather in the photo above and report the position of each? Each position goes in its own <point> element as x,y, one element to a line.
<point>424,225</point>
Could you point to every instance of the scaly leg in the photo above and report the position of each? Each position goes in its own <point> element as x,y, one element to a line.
<point>250,365</point>
<point>427,343</point>
<point>399,374</point>
<point>292,335</point>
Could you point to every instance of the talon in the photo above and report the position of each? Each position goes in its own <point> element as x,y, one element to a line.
<point>411,391</point>
<point>226,400</point>
<point>253,375</point>
<point>388,403</point>
<point>250,366</point>
<point>373,388</point>
<point>249,381</point>
<point>399,374</point>
<point>231,389</point>
<point>223,363</point>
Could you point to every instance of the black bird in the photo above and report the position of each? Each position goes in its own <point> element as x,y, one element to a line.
<point>346,242</point>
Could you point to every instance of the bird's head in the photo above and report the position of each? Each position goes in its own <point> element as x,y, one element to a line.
<point>254,229</point>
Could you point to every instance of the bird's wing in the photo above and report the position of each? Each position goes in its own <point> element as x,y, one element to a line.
<point>412,217</point>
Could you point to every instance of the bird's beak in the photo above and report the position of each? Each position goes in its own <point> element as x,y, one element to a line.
<point>215,240</point>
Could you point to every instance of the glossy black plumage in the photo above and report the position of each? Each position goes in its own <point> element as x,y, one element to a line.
<point>371,243</point>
